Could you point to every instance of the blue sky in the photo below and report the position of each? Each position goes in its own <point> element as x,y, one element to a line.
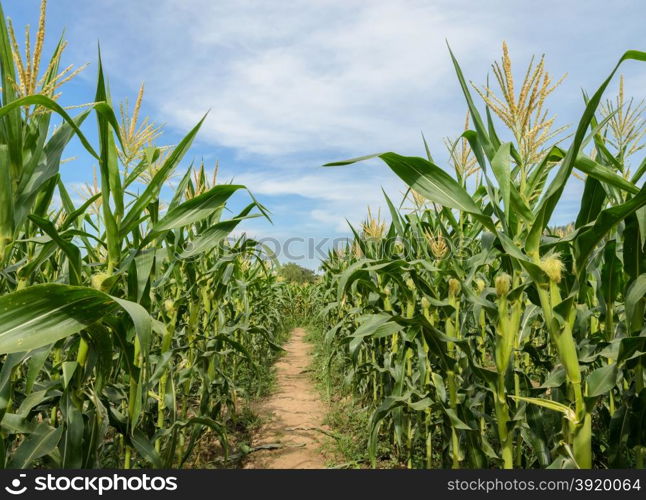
<point>292,85</point>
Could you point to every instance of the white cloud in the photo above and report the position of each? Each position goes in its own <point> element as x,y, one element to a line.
<point>287,82</point>
<point>327,197</point>
<point>333,219</point>
<point>325,185</point>
<point>287,77</point>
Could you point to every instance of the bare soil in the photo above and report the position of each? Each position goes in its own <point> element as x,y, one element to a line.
<point>293,431</point>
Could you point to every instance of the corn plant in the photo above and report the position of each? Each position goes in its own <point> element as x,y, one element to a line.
<point>472,327</point>
<point>131,330</point>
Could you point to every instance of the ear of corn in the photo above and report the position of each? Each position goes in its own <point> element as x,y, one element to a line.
<point>502,342</point>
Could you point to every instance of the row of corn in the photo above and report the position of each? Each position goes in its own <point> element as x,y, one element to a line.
<point>479,336</point>
<point>131,328</point>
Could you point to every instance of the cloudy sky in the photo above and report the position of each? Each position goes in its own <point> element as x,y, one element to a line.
<point>291,85</point>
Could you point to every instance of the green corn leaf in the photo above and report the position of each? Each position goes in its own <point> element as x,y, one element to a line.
<point>587,239</point>
<point>71,251</point>
<point>71,443</point>
<point>634,295</point>
<point>146,448</point>
<point>46,102</point>
<point>33,399</point>
<point>429,157</point>
<point>500,167</point>
<point>633,253</point>
<point>144,264</point>
<point>376,326</point>
<point>394,216</point>
<point>198,208</point>
<point>602,173</point>
<point>602,380</point>
<point>42,314</point>
<point>555,190</point>
<point>611,272</point>
<point>152,190</point>
<point>214,235</point>
<point>594,196</point>
<point>430,181</point>
<point>475,116</point>
<point>46,166</point>
<point>550,405</point>
<point>13,123</point>
<point>41,442</point>
<point>181,189</point>
<point>456,422</point>
<point>639,172</point>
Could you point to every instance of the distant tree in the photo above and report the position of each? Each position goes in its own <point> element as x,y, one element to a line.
<point>296,274</point>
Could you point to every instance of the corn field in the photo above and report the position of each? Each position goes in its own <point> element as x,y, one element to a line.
<point>131,329</point>
<point>477,335</point>
<point>134,330</point>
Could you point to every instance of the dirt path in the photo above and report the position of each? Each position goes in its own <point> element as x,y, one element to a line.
<point>293,415</point>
